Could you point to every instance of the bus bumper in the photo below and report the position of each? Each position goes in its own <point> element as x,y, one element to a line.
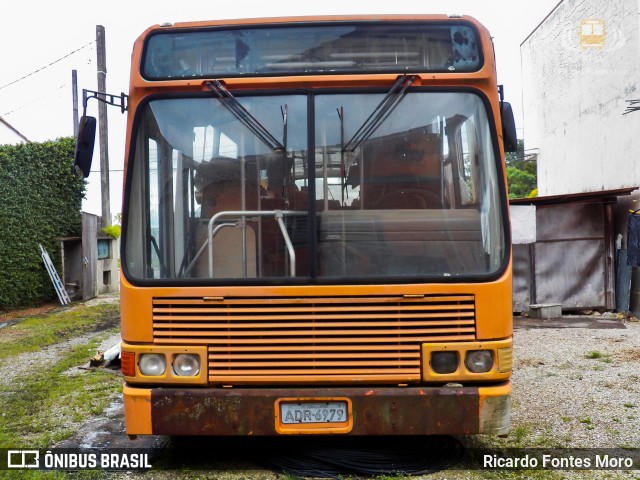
<point>372,411</point>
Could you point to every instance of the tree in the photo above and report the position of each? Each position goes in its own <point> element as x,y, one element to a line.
<point>522,177</point>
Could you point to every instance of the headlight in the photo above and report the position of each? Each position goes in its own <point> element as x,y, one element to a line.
<point>479,361</point>
<point>186,365</point>
<point>152,364</point>
<point>444,362</point>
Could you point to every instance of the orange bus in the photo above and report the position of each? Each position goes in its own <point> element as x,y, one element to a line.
<point>315,229</point>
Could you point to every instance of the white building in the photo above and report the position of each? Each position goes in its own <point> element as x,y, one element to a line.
<point>580,66</point>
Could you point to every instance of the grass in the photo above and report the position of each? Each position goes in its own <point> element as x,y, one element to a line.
<point>53,475</point>
<point>48,404</point>
<point>523,475</point>
<point>520,433</point>
<point>42,409</point>
<point>596,355</point>
<point>34,333</point>
<point>588,423</point>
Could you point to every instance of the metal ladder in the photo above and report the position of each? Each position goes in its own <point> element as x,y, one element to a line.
<point>55,279</point>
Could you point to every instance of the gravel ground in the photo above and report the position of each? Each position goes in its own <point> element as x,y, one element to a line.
<point>24,363</point>
<point>572,388</point>
<point>578,386</point>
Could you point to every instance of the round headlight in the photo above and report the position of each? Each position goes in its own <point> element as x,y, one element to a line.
<point>444,362</point>
<point>152,364</point>
<point>479,361</point>
<point>186,365</point>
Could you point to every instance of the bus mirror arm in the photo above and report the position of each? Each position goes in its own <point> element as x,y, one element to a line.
<point>108,98</point>
<point>86,140</point>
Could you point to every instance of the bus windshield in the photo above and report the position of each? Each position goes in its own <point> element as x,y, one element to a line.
<point>417,196</point>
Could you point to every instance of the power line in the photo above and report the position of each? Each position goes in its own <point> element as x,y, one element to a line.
<point>46,66</point>
<point>34,100</point>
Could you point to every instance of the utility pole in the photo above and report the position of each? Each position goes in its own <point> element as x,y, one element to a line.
<point>102,127</point>
<point>74,93</point>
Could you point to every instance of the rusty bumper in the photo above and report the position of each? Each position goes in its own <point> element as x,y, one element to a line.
<point>372,411</point>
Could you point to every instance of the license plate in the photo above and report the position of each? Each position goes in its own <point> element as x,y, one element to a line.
<point>313,412</point>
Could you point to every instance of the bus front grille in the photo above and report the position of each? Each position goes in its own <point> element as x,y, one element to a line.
<point>314,339</point>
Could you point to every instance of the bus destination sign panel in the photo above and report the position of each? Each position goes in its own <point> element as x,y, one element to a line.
<point>302,49</point>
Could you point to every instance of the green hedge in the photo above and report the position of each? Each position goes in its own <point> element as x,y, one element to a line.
<point>40,202</point>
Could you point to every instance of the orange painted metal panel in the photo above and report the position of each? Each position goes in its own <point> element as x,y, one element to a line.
<point>137,410</point>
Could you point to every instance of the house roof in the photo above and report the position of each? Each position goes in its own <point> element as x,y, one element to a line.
<point>602,196</point>
<point>13,129</point>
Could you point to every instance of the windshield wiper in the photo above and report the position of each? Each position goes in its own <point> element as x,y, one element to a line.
<point>381,112</point>
<point>244,116</point>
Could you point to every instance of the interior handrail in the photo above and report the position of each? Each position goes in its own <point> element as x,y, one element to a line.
<point>277,214</point>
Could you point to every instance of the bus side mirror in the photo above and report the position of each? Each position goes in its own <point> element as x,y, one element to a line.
<point>84,146</point>
<point>509,135</point>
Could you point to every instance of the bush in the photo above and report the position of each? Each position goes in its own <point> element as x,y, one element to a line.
<point>40,202</point>
<point>112,231</point>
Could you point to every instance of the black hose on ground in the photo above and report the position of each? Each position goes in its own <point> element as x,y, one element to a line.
<point>408,456</point>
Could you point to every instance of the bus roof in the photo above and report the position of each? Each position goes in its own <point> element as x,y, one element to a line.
<point>320,18</point>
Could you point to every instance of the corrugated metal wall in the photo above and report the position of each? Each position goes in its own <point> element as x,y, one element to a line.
<point>571,261</point>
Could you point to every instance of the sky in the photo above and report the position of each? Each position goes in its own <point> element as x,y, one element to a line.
<point>41,43</point>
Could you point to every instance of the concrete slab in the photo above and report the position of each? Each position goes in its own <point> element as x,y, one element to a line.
<point>545,311</point>
<point>568,321</point>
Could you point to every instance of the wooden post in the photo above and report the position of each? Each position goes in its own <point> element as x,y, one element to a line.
<point>102,127</point>
<point>74,93</point>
